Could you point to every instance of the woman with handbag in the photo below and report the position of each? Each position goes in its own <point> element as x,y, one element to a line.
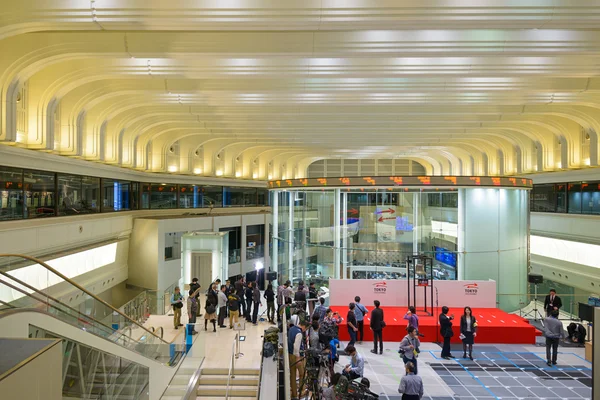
<point>177,304</point>
<point>468,330</point>
<point>211,308</point>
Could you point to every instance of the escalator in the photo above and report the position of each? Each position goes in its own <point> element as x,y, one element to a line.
<point>101,360</point>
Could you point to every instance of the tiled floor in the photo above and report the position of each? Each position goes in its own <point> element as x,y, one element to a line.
<point>498,372</point>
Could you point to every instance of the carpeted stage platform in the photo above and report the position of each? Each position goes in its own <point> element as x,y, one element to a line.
<point>494,326</point>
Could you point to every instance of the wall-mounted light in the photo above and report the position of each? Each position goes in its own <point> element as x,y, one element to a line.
<point>238,174</point>
<point>219,172</point>
<point>559,165</point>
<point>172,168</point>
<point>197,171</point>
<point>254,175</point>
<point>586,161</point>
<point>270,176</point>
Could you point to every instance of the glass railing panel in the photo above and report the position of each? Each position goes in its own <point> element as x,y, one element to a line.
<point>26,284</point>
<point>89,373</point>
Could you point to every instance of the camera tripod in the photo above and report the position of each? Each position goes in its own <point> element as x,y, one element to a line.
<point>535,312</point>
<point>316,375</point>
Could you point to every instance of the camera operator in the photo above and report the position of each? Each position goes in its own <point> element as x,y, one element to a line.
<point>331,392</point>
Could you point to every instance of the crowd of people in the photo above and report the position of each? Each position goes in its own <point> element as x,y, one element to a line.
<point>313,328</point>
<point>240,300</point>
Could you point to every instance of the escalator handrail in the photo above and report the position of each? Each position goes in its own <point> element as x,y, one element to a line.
<point>13,311</point>
<point>84,290</point>
<point>109,329</point>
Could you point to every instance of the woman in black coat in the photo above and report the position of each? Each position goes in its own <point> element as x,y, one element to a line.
<point>468,330</point>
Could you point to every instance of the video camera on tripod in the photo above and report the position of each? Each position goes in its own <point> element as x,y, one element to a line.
<point>358,391</point>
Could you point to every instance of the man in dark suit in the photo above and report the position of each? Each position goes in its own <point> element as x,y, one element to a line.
<point>552,302</point>
<point>377,325</point>
<point>446,332</point>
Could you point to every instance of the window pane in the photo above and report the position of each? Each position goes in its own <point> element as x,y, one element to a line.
<point>11,193</point>
<point>574,190</point>
<point>589,198</point>
<point>135,195</point>
<point>543,198</point>
<point>90,191</point>
<point>69,194</point>
<point>190,196</point>
<point>561,197</point>
<point>255,239</point>
<point>213,196</point>
<point>39,194</point>
<point>145,199</point>
<point>239,196</point>
<point>235,253</point>
<point>116,195</point>
<point>262,197</point>
<point>163,196</point>
<point>450,200</point>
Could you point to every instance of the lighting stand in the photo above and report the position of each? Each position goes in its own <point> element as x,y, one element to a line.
<point>535,312</point>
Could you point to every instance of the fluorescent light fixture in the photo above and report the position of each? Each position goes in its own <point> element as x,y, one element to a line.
<point>71,266</point>
<point>566,250</point>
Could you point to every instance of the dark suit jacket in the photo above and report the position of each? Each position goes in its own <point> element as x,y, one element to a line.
<point>463,324</point>
<point>446,326</point>
<point>376,318</point>
<point>557,303</point>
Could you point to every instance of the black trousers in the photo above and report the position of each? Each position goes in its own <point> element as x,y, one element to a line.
<point>378,336</point>
<point>248,308</point>
<point>551,344</point>
<point>410,397</point>
<point>222,315</point>
<point>446,347</point>
<point>255,313</point>
<point>361,330</point>
<point>242,308</point>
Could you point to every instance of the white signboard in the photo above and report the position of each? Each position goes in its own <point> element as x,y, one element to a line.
<point>239,326</point>
<point>394,293</point>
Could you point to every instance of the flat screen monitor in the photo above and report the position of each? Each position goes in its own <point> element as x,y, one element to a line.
<point>586,312</point>
<point>445,256</point>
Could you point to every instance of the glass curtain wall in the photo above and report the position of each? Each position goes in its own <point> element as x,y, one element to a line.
<point>378,229</point>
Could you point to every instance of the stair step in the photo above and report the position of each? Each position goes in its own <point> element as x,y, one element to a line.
<point>215,380</point>
<point>176,390</point>
<point>234,391</point>
<point>225,371</point>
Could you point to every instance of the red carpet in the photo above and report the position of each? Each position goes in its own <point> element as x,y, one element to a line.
<point>493,326</point>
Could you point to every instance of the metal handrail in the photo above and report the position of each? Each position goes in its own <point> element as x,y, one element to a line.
<point>262,361</point>
<point>231,366</point>
<point>286,360</point>
<point>162,331</point>
<point>192,388</point>
<point>109,329</point>
<point>78,286</point>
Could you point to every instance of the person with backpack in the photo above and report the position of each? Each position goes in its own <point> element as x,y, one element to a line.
<point>233,302</point>
<point>177,304</point>
<point>359,312</point>
<point>409,347</point>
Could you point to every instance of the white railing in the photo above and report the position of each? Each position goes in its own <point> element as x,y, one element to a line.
<point>231,373</point>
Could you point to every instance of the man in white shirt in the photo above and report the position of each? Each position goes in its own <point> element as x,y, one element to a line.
<point>222,299</point>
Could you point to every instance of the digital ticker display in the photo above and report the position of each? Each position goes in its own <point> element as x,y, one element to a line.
<point>403,181</point>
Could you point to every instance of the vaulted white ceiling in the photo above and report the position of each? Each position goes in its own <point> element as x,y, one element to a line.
<point>261,89</point>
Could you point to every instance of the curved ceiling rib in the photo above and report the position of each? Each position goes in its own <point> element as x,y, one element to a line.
<point>260,90</point>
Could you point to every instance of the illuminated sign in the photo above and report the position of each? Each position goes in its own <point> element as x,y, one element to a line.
<point>407,181</point>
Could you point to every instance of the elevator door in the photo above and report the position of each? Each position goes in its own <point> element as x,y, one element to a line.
<point>202,269</point>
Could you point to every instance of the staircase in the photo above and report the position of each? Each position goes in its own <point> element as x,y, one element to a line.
<point>213,384</point>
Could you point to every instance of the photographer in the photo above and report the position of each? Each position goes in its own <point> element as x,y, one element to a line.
<point>295,351</point>
<point>409,347</point>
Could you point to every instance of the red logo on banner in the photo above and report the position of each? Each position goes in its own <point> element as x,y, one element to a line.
<point>380,287</point>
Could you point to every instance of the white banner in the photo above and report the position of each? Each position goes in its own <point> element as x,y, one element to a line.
<point>394,293</point>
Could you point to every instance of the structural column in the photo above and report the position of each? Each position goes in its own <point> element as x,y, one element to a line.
<point>416,222</point>
<point>345,234</point>
<point>290,236</point>
<point>336,233</point>
<point>275,244</point>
